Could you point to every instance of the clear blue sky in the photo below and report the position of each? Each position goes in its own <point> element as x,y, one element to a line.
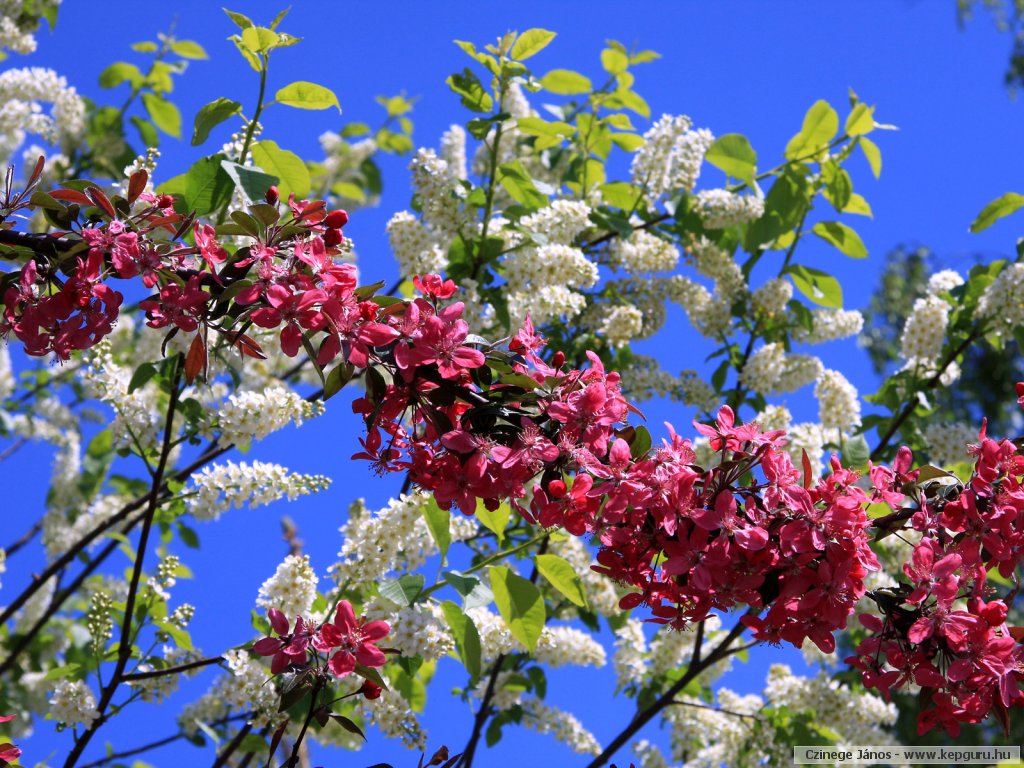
<point>748,67</point>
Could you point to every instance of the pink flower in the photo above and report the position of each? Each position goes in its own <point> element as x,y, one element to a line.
<point>355,640</point>
<point>209,248</point>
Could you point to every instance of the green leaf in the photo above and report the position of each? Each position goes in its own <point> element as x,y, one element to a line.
<point>820,124</point>
<point>630,100</point>
<point>307,96</point>
<point>536,126</point>
<point>733,154</point>
<point>842,237</point>
<point>243,21</point>
<point>188,49</point>
<point>118,72</point>
<point>532,41</point>
<point>566,82</point>
<point>208,186</point>
<point>142,374</point>
<point>254,184</point>
<point>467,639</point>
<point>496,520</point>
<point>861,120</point>
<point>163,113</point>
<point>145,46</point>
<point>614,61</point>
<point>475,593</point>
<point>517,182</point>
<point>212,115</point>
<point>439,524</point>
<point>562,577</point>
<point>260,39</point>
<point>472,94</point>
<point>856,452</point>
<point>873,155</point>
<point>147,132</point>
<point>403,590</point>
<point>520,605</point>
<point>630,142</point>
<point>820,287</point>
<point>997,209</point>
<point>287,166</point>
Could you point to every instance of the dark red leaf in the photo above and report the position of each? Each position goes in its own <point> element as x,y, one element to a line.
<point>807,469</point>
<point>136,184</point>
<point>248,347</point>
<point>71,195</point>
<point>195,360</point>
<point>95,194</point>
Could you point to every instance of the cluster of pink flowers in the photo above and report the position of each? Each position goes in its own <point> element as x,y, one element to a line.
<point>343,643</point>
<point>938,629</point>
<point>8,752</point>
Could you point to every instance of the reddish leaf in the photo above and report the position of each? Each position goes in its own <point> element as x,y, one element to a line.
<point>71,195</point>
<point>348,725</point>
<point>95,194</point>
<point>633,409</point>
<point>136,184</point>
<point>248,347</point>
<point>1017,633</point>
<point>195,360</point>
<point>276,740</point>
<point>34,178</point>
<point>807,469</point>
<point>312,209</point>
<point>439,757</point>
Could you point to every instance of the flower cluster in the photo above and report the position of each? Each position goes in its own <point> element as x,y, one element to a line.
<point>937,629</point>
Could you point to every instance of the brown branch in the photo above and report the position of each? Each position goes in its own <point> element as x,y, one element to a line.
<point>153,673</point>
<point>25,538</point>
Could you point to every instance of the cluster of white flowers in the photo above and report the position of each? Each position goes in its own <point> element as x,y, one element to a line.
<point>622,325</point>
<point>649,755</point>
<point>738,739</point>
<point>806,437</point>
<point>437,189</point>
<point>770,299</point>
<point>159,688</point>
<point>643,253</point>
<point>838,402</point>
<point>774,417</point>
<point>60,531</point>
<point>375,543</point>
<point>947,443</point>
<point>137,414</point>
<point>563,725</point>
<point>559,646</point>
<point>859,718</point>
<point>13,36</point>
<point>644,378</point>
<point>417,249</point>
<point>831,325</point>
<point>697,392</point>
<point>1003,301</point>
<point>248,415</point>
<point>292,588</point>
<point>22,94</point>
<point>243,689</point>
<point>630,659</point>
<point>944,281</point>
<point>419,629</point>
<point>7,382</point>
<point>798,372</point>
<point>763,369</point>
<point>219,487</point>
<point>711,316</point>
<point>392,715</point>
<point>560,222</point>
<point>453,150</point>
<point>73,703</point>
<point>720,208</point>
<point>924,333</point>
<point>670,157</point>
<point>541,281</point>
<point>711,260</point>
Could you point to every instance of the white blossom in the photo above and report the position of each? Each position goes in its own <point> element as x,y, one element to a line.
<point>831,325</point>
<point>22,93</point>
<point>924,333</point>
<point>564,726</point>
<point>453,150</point>
<point>248,416</point>
<point>947,443</point>
<point>720,208</point>
<point>944,281</point>
<point>1003,300</point>
<point>622,325</point>
<point>643,252</point>
<point>73,703</point>
<point>219,487</point>
<point>670,157</point>
<point>415,247</point>
<point>838,403</point>
<point>292,588</point>
<point>770,299</point>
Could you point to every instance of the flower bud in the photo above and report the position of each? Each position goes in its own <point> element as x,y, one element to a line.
<point>272,195</point>
<point>336,219</point>
<point>333,237</point>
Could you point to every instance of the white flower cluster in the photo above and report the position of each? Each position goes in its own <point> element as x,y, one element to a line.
<point>419,629</point>
<point>924,333</point>
<point>1003,301</point>
<point>60,531</point>
<point>560,646</point>
<point>13,37</point>
<point>541,281</point>
<point>720,208</point>
<point>563,725</point>
<point>774,417</point>
<point>7,382</point>
<point>137,420</point>
<point>393,716</point>
<point>859,718</point>
<point>712,316</point>
<point>644,378</point>
<point>770,299</point>
<point>630,658</point>
<point>649,755</point>
<point>243,689</point>
<point>159,688</point>
<point>622,325</point>
<point>375,543</point>
<point>561,222</point>
<point>713,261</point>
<point>944,281</point>
<point>292,588</point>
<point>831,325</point>
<point>947,443</point>
<point>709,736</point>
<point>73,703</point>
<point>771,371</point>
<point>838,403</point>
<point>453,150</point>
<point>417,249</point>
<point>22,94</point>
<point>798,372</point>
<point>643,253</point>
<point>437,189</point>
<point>219,487</point>
<point>670,157</point>
<point>248,415</point>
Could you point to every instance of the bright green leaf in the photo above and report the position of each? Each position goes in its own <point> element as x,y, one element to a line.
<point>188,49</point>
<point>243,21</point>
<point>842,237</point>
<point>517,182</point>
<point>260,39</point>
<point>562,577</point>
<point>163,113</point>
<point>820,124</point>
<point>207,185</point>
<point>305,95</point>
<point>530,42</point>
<point>475,593</point>
<point>873,155</point>
<point>473,96</point>
<point>861,120</point>
<point>119,72</point>
<point>404,590</point>
<point>997,209</point>
<point>253,183</point>
<point>467,639</point>
<point>494,520</point>
<point>287,166</point>
<point>439,523</point>
<point>733,154</point>
<point>614,61</point>
<point>520,605</point>
<point>820,287</point>
<point>566,82</point>
<point>212,115</point>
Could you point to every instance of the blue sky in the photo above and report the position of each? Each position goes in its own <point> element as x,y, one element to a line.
<point>747,67</point>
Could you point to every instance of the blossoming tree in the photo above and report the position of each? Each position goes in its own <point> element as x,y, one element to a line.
<point>203,312</point>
